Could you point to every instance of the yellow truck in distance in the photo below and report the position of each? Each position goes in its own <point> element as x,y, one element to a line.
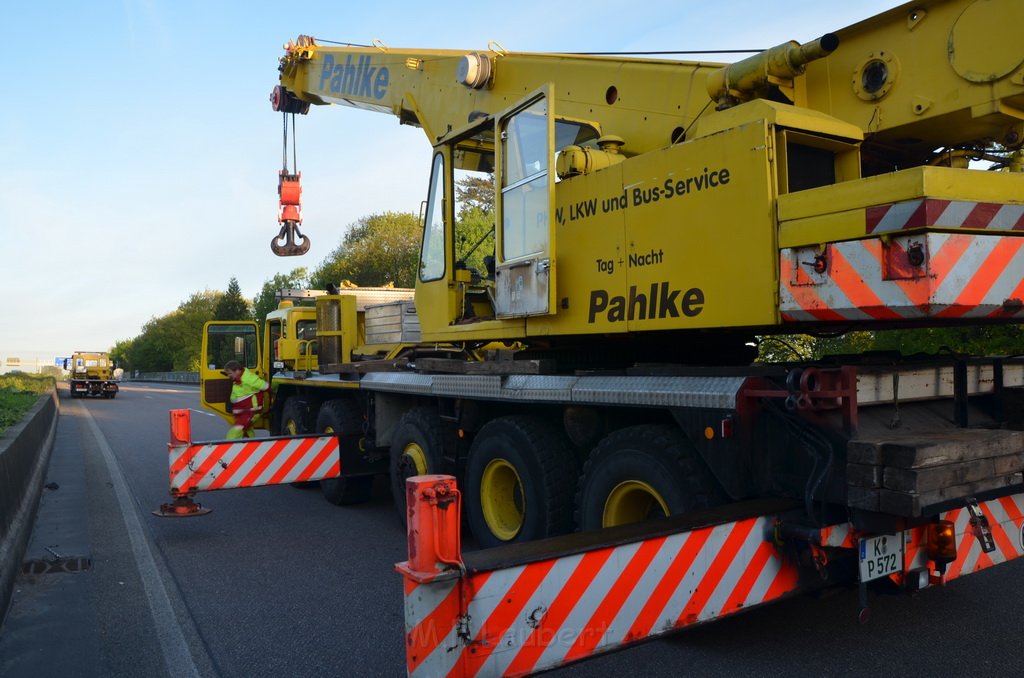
<point>91,374</point>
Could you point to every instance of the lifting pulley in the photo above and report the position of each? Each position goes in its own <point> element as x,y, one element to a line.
<point>289,241</point>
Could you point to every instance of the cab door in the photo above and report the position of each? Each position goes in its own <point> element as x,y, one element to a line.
<point>225,340</point>
<point>525,272</point>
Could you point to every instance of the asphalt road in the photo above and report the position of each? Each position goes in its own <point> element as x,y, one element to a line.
<point>277,582</point>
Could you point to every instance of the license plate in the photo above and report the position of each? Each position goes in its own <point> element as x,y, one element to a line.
<point>881,556</point>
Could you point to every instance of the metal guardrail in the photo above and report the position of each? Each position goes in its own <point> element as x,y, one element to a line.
<point>173,377</point>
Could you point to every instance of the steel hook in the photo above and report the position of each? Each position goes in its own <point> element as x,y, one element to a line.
<point>291,247</point>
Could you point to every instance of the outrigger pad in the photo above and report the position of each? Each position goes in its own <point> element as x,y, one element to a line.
<point>182,507</point>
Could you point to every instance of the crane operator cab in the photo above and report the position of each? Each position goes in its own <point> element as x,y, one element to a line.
<point>489,251</point>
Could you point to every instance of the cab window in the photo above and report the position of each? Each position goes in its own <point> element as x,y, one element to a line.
<point>433,248</point>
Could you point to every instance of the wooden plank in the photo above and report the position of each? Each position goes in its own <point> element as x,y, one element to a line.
<point>862,498</point>
<point>934,448</point>
<point>1010,463</point>
<point>946,447</point>
<point>864,451</point>
<point>864,475</point>
<point>364,366</point>
<point>934,477</point>
<point>958,473</point>
<point>910,504</point>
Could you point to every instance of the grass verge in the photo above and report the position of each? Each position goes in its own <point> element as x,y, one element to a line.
<point>18,393</point>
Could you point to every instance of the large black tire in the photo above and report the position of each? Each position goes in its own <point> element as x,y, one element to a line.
<point>342,418</point>
<point>417,448</point>
<point>642,473</point>
<point>293,417</point>
<point>519,481</point>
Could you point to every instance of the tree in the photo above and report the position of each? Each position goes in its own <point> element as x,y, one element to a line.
<point>232,306</point>
<point>377,250</point>
<point>266,301</point>
<point>967,340</point>
<point>474,191</point>
<point>474,220</point>
<point>51,371</point>
<point>781,348</point>
<point>973,340</point>
<point>474,238</point>
<point>173,342</point>
<point>119,354</point>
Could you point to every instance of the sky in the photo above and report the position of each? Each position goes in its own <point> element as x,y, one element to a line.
<point>140,152</point>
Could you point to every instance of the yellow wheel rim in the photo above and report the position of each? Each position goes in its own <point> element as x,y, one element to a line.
<point>632,501</point>
<point>291,428</point>
<point>416,458</point>
<point>502,499</point>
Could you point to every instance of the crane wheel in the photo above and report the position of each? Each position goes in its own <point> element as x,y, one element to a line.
<point>642,473</point>
<point>519,481</point>
<point>417,449</point>
<point>293,417</point>
<point>341,417</point>
<point>293,423</point>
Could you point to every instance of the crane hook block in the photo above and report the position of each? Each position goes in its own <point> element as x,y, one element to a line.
<point>289,190</point>
<point>289,241</point>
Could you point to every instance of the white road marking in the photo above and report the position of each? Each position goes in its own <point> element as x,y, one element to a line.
<point>177,658</point>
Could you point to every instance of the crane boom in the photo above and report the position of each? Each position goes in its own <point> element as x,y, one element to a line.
<point>921,76</point>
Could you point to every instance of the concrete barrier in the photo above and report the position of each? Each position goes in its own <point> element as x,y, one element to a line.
<point>24,455</point>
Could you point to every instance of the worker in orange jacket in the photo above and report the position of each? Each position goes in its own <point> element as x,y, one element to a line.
<point>248,397</point>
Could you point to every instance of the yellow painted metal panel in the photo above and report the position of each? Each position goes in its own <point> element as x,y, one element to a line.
<point>982,26</point>
<point>653,250</point>
<point>918,182</point>
<point>590,214</point>
<point>701,227</point>
<point>846,225</point>
<point>485,330</point>
<point>775,113</point>
<point>909,77</point>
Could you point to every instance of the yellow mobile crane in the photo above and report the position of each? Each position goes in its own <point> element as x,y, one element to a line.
<point>590,364</point>
<point>587,364</point>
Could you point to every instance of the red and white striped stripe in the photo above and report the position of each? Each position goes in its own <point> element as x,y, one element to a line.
<point>252,462</point>
<point>838,536</point>
<point>962,276</point>
<point>540,615</point>
<point>934,213</point>
<point>544,614</point>
<point>1006,521</point>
